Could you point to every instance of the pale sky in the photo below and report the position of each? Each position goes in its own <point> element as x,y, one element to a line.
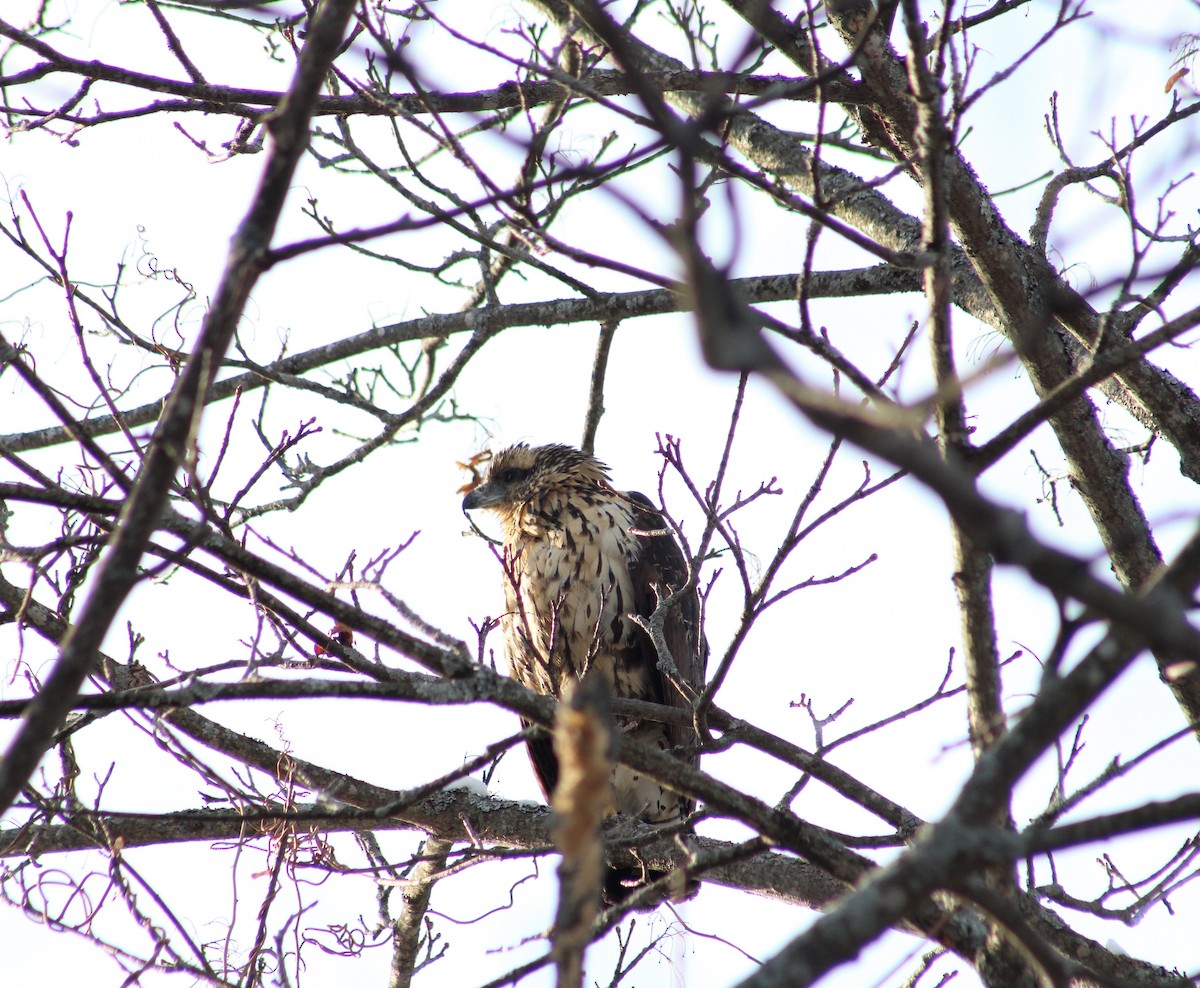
<point>141,189</point>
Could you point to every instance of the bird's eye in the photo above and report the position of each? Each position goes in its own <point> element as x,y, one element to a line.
<point>510,476</point>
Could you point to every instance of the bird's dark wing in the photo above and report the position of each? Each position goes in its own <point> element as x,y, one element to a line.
<point>543,759</point>
<point>661,564</point>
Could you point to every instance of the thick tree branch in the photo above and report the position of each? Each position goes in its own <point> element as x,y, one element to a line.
<point>602,307</point>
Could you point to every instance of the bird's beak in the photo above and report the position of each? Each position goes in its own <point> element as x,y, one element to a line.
<point>481,497</point>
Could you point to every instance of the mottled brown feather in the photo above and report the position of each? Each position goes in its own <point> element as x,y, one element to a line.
<point>581,557</point>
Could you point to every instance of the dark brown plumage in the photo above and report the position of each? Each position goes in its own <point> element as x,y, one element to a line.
<point>580,557</point>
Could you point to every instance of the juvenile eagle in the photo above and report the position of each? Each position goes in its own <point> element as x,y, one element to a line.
<point>580,557</point>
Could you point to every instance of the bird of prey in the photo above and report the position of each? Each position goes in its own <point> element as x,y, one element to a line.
<point>580,558</point>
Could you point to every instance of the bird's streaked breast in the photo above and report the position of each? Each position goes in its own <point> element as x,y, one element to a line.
<point>572,593</point>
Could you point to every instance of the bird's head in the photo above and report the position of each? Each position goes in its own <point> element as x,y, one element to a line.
<point>521,473</point>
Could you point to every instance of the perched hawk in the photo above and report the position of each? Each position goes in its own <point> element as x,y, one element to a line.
<point>580,557</point>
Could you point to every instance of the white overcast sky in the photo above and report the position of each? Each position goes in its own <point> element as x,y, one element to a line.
<point>142,183</point>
